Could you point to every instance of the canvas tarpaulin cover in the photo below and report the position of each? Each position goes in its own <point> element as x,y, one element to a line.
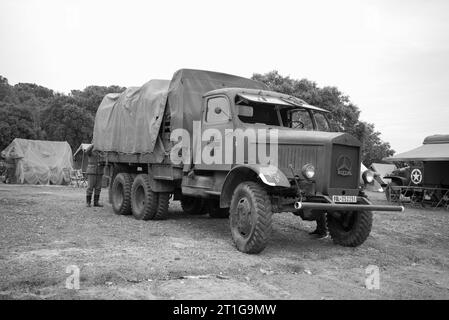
<point>40,162</point>
<point>187,88</point>
<point>129,122</point>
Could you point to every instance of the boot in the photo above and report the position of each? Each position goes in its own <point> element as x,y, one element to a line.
<point>319,233</point>
<point>96,199</point>
<point>88,200</point>
<point>321,227</point>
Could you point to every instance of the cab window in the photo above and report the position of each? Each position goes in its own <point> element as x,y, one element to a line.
<point>218,110</point>
<point>321,122</point>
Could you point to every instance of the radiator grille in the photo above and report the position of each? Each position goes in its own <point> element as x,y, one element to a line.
<point>297,156</point>
<point>345,167</point>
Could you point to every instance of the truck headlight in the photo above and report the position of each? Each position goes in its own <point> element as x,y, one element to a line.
<point>368,176</point>
<point>308,171</point>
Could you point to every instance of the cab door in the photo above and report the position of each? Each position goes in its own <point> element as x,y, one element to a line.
<point>217,117</point>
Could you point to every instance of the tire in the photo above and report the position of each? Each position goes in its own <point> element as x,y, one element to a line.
<point>162,206</point>
<point>250,200</point>
<point>350,228</point>
<point>144,202</point>
<point>121,194</point>
<point>213,207</point>
<point>192,205</point>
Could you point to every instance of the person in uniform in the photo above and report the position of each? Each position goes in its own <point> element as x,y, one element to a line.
<point>321,226</point>
<point>94,177</point>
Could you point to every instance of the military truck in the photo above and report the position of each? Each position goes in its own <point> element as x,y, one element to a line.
<point>314,172</point>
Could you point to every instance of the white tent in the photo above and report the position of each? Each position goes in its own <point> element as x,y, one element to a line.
<point>40,162</point>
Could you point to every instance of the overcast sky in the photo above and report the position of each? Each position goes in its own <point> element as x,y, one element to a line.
<point>390,57</point>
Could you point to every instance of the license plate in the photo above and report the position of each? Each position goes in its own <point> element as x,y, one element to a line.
<point>344,199</point>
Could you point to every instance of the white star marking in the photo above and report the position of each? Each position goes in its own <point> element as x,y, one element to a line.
<point>416,176</point>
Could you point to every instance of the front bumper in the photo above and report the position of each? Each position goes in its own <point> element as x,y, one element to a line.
<point>362,204</point>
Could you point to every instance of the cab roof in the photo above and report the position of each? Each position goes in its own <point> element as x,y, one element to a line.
<point>253,94</point>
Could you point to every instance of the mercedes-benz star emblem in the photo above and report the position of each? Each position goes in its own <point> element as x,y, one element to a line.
<point>344,166</point>
<point>416,176</point>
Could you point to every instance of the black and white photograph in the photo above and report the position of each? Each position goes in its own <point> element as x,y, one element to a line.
<point>195,152</point>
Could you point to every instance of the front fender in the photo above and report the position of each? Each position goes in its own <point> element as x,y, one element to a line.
<point>269,175</point>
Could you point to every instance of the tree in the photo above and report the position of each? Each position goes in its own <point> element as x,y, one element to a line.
<point>7,93</point>
<point>68,122</point>
<point>91,97</point>
<point>31,111</point>
<point>15,122</point>
<point>29,91</point>
<point>374,149</point>
<point>345,114</point>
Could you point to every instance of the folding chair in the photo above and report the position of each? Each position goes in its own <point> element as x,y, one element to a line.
<point>81,178</point>
<point>74,180</point>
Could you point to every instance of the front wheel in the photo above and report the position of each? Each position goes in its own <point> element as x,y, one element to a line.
<point>250,217</point>
<point>349,228</point>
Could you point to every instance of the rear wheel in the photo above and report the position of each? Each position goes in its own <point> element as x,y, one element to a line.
<point>349,228</point>
<point>121,193</point>
<point>192,205</point>
<point>144,201</point>
<point>162,205</point>
<point>250,217</point>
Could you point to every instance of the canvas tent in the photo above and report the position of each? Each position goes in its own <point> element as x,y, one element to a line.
<point>80,160</point>
<point>129,122</point>
<point>434,148</point>
<point>40,162</point>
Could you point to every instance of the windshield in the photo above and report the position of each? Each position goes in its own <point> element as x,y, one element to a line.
<point>282,115</point>
<point>322,122</point>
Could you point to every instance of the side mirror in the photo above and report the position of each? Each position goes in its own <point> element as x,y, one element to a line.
<point>218,110</point>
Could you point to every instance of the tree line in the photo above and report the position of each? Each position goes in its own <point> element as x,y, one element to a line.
<point>31,111</point>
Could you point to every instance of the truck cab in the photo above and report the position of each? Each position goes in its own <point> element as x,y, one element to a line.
<point>317,171</point>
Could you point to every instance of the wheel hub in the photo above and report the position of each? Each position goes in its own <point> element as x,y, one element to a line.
<point>244,216</point>
<point>140,198</point>
<point>119,195</point>
<point>347,220</point>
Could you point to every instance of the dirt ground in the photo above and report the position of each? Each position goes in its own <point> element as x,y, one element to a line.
<point>45,229</point>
